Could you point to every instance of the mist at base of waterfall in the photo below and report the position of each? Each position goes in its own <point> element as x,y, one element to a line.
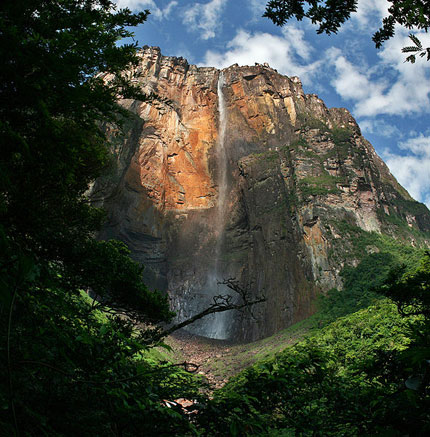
<point>214,325</point>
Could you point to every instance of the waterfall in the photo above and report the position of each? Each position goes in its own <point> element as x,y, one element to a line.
<point>220,320</point>
<point>222,170</point>
<point>216,325</point>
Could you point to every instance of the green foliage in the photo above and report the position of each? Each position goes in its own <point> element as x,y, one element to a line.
<point>300,143</point>
<point>76,371</point>
<point>412,206</point>
<point>330,15</point>
<point>417,49</point>
<point>412,14</point>
<point>410,290</point>
<point>403,230</point>
<point>51,116</point>
<point>341,135</point>
<point>268,155</point>
<point>114,279</point>
<point>319,185</point>
<point>308,120</point>
<point>341,381</point>
<point>397,217</point>
<point>378,254</point>
<point>365,374</point>
<point>341,139</point>
<point>71,365</point>
<point>360,242</point>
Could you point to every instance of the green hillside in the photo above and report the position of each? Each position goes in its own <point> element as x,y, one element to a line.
<point>83,342</point>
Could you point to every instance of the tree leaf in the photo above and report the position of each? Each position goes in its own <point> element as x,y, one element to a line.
<point>414,382</point>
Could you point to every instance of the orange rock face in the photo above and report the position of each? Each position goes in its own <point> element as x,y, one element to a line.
<point>294,172</point>
<point>172,159</point>
<point>173,163</point>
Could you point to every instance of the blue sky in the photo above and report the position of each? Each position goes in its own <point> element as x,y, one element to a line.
<point>389,98</point>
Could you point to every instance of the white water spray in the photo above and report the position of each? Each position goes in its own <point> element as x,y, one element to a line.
<point>216,325</point>
<point>222,168</point>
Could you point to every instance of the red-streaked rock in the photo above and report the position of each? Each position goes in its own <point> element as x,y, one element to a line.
<point>295,170</point>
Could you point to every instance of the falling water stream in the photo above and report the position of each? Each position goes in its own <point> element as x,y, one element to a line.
<point>216,325</point>
<point>222,170</point>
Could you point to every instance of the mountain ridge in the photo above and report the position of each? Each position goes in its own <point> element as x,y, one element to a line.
<point>301,184</point>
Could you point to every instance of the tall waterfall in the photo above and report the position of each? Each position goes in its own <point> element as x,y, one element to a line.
<point>222,169</point>
<point>219,324</point>
<point>216,325</point>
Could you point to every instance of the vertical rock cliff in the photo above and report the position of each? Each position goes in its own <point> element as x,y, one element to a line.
<point>239,174</point>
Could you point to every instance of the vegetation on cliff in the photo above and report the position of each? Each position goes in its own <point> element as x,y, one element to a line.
<point>365,374</point>
<point>75,365</point>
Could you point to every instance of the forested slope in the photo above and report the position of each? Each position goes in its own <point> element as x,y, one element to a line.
<point>78,326</point>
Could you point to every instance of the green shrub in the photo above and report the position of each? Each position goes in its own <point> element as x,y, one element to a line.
<point>319,185</point>
<point>341,381</point>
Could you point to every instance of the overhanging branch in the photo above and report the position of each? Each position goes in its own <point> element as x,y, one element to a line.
<point>220,304</point>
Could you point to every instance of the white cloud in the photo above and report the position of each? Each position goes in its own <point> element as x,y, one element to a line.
<point>168,9</point>
<point>412,170</point>
<point>283,53</point>
<point>205,17</point>
<point>380,127</point>
<point>139,5</point>
<point>405,91</point>
<point>257,8</point>
<point>350,83</point>
<point>370,10</point>
<point>296,36</point>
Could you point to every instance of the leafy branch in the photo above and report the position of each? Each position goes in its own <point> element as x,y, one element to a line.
<point>330,15</point>
<point>417,49</point>
<point>188,367</point>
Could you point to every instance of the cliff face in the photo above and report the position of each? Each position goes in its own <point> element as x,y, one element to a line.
<point>240,174</point>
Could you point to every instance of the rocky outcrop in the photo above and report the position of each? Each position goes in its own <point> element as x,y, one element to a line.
<point>294,170</point>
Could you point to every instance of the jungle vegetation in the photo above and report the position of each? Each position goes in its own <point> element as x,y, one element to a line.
<point>77,325</point>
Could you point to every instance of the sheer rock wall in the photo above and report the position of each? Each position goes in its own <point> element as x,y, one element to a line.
<point>295,169</point>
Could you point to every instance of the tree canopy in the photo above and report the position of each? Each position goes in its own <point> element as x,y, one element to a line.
<point>69,368</point>
<point>330,15</point>
<point>367,373</point>
<point>74,365</point>
<point>52,107</point>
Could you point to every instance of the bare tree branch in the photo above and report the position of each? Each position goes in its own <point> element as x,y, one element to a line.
<point>221,303</point>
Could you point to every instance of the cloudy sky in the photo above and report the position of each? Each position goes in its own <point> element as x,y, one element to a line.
<point>389,98</point>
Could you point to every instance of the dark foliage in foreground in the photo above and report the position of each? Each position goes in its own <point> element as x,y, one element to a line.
<point>72,365</point>
<point>67,369</point>
<point>365,374</point>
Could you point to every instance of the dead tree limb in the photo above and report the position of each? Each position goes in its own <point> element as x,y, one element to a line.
<point>221,303</point>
